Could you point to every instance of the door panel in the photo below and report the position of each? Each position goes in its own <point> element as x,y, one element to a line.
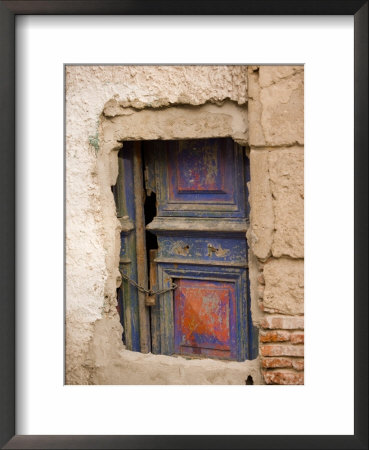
<point>201,178</point>
<point>208,278</point>
<point>205,318</point>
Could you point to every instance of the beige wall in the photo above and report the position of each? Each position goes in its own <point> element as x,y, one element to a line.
<point>276,129</point>
<point>107,104</point>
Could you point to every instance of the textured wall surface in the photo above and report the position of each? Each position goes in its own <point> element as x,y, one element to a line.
<point>107,104</point>
<point>276,236</point>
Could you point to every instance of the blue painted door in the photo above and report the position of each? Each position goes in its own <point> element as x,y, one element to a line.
<point>200,225</point>
<point>196,235</point>
<point>128,301</point>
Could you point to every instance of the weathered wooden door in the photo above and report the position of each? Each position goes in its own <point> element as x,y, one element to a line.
<point>200,225</point>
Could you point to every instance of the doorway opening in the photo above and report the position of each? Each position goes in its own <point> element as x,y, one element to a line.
<point>183,208</point>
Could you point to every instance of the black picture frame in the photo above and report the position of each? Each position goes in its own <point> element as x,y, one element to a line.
<point>8,11</point>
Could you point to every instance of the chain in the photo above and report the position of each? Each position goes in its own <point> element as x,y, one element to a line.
<point>149,291</point>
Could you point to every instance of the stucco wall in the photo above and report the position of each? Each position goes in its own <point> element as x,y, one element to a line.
<point>107,104</point>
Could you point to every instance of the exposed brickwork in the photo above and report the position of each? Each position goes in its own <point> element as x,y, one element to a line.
<point>273,363</point>
<point>282,363</point>
<point>283,377</point>
<point>275,336</point>
<point>281,350</point>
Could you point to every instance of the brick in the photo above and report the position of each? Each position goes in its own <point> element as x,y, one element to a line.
<point>273,363</point>
<point>283,322</point>
<point>282,350</point>
<point>298,364</point>
<point>285,377</point>
<point>297,338</point>
<point>275,336</point>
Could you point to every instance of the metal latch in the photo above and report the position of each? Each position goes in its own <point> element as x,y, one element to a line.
<point>150,294</point>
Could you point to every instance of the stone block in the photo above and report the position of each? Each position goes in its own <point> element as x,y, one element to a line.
<point>177,122</point>
<point>284,286</point>
<point>282,111</point>
<point>269,75</point>
<point>286,171</point>
<point>260,235</point>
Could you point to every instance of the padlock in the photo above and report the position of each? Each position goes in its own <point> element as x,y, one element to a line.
<point>150,299</point>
